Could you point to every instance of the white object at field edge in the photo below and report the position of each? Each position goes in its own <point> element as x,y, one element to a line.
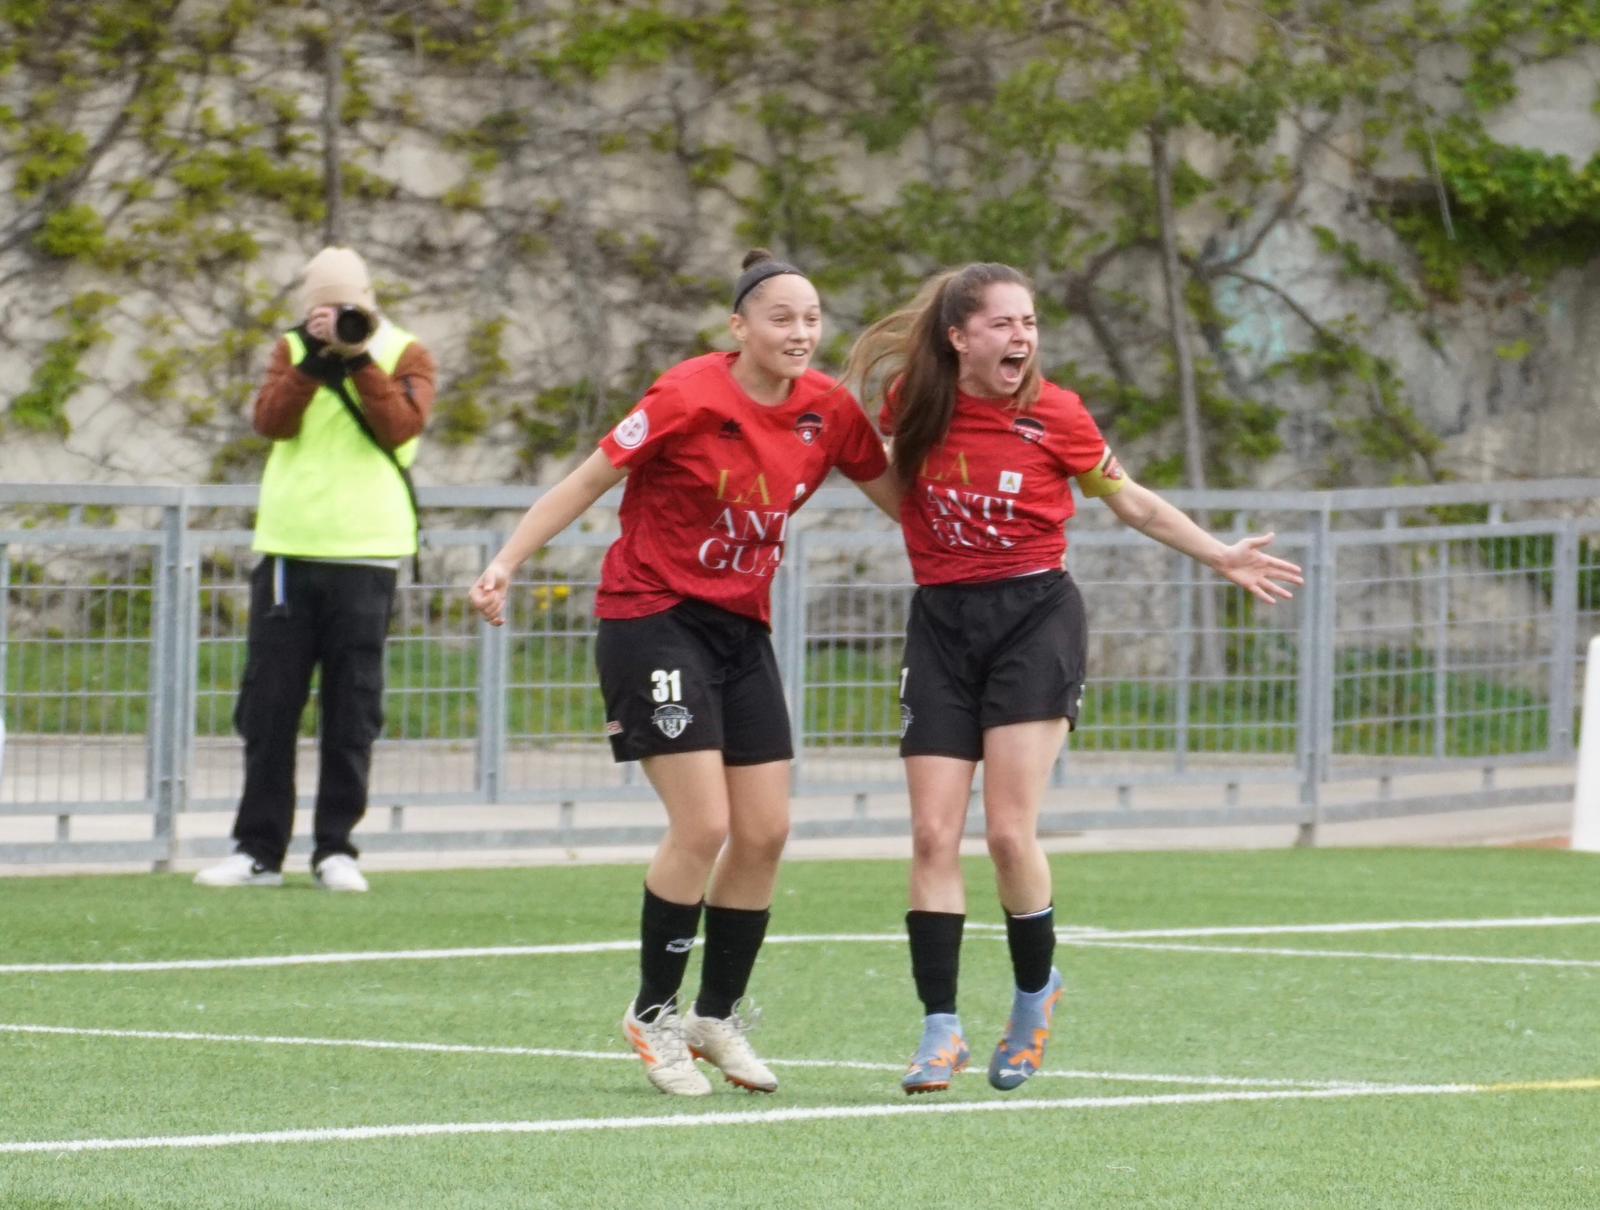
<point>1586,798</point>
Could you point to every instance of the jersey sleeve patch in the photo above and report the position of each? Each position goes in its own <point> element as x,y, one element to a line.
<point>1105,479</point>
<point>632,429</point>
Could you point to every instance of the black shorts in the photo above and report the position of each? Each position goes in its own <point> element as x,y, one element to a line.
<point>689,679</point>
<point>985,655</point>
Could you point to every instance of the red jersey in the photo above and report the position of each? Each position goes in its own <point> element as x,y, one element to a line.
<point>713,477</point>
<point>992,501</point>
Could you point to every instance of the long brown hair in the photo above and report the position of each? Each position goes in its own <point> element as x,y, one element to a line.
<point>910,354</point>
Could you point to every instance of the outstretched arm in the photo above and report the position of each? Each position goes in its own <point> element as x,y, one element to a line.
<point>551,513</point>
<point>884,491</point>
<point>1245,563</point>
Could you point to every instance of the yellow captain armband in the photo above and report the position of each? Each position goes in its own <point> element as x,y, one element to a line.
<point>1106,479</point>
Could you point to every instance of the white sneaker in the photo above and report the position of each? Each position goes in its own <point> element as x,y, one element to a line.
<point>721,1041</point>
<point>667,1062</point>
<point>239,870</point>
<point>339,873</point>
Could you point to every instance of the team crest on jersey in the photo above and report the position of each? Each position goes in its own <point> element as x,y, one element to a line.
<point>808,427</point>
<point>905,720</point>
<point>1028,429</point>
<point>1011,482</point>
<point>670,720</point>
<point>632,429</point>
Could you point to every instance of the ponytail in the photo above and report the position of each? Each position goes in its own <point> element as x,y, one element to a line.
<point>917,368</point>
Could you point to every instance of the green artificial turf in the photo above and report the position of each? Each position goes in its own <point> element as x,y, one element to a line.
<point>1204,1018</point>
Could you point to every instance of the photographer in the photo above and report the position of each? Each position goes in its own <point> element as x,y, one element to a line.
<point>346,395</point>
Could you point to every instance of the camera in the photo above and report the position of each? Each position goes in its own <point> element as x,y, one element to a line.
<point>352,325</point>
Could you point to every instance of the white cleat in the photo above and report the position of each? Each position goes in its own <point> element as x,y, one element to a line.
<point>667,1061</point>
<point>339,873</point>
<point>722,1042</point>
<point>239,870</point>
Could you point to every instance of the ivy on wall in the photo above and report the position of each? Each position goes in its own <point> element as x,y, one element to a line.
<point>523,172</point>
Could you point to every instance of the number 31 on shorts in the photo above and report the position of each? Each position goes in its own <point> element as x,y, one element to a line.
<point>666,686</point>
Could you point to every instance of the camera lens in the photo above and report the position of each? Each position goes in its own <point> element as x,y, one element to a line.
<point>352,325</point>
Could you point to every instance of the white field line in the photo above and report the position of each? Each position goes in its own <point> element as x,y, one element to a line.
<point>1071,936</point>
<point>762,1117</point>
<point>331,959</point>
<point>627,1056</point>
<point>1175,947</point>
<point>428,955</point>
<point>1360,926</point>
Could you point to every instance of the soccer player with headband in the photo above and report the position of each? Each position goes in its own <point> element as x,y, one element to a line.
<point>986,451</point>
<point>718,455</point>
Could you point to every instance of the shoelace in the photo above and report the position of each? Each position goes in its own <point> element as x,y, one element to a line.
<point>666,1032</point>
<point>745,1015</point>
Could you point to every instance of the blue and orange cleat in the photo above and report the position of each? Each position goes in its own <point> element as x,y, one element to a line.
<point>1021,1051</point>
<point>943,1052</point>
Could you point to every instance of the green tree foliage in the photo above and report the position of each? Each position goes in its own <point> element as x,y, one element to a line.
<point>578,179</point>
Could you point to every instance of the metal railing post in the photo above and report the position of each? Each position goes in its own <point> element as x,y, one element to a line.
<point>1315,678</point>
<point>1185,662</point>
<point>494,655</point>
<point>166,665</point>
<point>1441,651</point>
<point>188,666</point>
<point>789,645</point>
<point>1564,640</point>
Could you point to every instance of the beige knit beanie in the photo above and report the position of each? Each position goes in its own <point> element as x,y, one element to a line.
<point>338,277</point>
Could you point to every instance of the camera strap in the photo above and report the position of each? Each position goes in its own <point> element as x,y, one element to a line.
<point>360,418</point>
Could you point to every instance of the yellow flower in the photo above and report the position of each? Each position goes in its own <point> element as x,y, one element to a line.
<point>546,594</point>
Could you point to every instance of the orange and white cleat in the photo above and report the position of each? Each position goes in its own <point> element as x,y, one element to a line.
<point>724,1043</point>
<point>659,1043</point>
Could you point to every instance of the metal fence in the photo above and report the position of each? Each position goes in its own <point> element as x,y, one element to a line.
<point>1430,663</point>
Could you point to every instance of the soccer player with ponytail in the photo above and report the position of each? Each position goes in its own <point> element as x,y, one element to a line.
<point>718,455</point>
<point>985,451</point>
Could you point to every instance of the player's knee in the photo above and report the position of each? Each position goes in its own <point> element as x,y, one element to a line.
<point>764,843</point>
<point>701,838</point>
<point>935,844</point>
<point>1010,848</point>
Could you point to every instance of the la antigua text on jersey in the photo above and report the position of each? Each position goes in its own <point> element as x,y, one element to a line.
<point>747,540</point>
<point>961,517</point>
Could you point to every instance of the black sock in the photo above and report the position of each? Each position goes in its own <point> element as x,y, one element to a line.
<point>935,957</point>
<point>666,935</point>
<point>733,938</point>
<point>1033,947</point>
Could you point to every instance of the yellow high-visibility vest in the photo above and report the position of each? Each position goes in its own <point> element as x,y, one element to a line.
<point>329,492</point>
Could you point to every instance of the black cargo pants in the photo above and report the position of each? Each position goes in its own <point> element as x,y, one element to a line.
<point>306,614</point>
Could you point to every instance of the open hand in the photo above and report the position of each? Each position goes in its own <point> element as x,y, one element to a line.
<point>1247,564</point>
<point>488,594</point>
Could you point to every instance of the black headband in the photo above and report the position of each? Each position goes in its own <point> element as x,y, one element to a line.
<point>758,273</point>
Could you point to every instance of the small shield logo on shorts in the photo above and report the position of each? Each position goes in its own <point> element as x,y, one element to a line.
<point>905,720</point>
<point>671,720</point>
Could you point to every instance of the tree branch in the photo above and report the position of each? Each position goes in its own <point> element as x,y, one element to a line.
<point>1280,211</point>
<point>1305,317</point>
